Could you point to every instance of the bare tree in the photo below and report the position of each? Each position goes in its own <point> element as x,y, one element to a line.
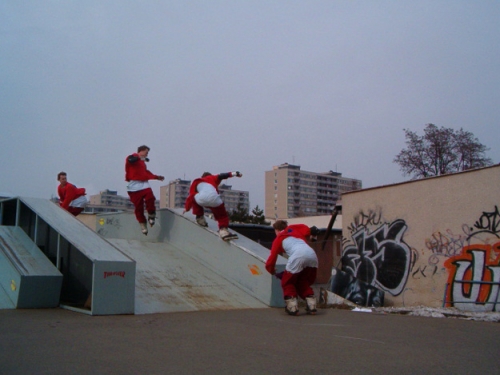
<point>440,151</point>
<point>470,153</point>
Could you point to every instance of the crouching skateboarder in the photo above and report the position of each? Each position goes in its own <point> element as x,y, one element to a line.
<point>204,193</point>
<point>301,268</point>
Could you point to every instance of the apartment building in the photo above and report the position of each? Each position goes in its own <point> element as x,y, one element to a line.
<point>175,193</point>
<point>233,198</point>
<point>291,192</point>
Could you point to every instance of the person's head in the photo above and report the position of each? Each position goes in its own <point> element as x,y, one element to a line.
<point>62,178</point>
<point>280,225</point>
<point>143,151</point>
<point>205,174</point>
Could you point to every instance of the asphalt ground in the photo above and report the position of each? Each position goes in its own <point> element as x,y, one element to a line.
<point>253,341</point>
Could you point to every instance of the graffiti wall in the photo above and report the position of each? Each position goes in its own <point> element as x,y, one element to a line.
<point>432,242</point>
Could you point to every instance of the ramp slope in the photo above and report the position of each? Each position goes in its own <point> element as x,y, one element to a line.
<point>168,280</point>
<point>183,267</point>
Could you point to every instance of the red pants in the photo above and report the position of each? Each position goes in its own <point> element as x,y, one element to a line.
<point>220,213</point>
<point>75,211</point>
<point>140,197</point>
<point>294,284</point>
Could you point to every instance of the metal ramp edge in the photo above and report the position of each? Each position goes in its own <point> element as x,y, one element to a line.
<point>28,278</point>
<point>240,262</point>
<point>98,279</point>
<point>5,301</point>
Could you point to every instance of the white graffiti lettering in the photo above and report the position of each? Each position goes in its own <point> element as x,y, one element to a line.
<point>471,280</point>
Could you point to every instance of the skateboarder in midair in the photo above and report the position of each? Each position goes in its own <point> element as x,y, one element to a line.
<point>137,175</point>
<point>204,192</point>
<point>302,265</point>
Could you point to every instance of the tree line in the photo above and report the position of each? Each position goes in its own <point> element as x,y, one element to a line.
<point>440,151</point>
<point>241,215</point>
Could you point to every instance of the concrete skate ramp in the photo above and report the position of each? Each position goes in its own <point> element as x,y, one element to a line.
<point>181,266</point>
<point>42,244</point>
<point>169,280</point>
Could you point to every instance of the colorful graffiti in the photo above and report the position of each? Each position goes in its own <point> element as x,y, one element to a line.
<point>354,290</point>
<point>380,258</point>
<point>474,278</point>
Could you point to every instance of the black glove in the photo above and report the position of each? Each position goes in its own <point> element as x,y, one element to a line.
<point>314,233</point>
<point>132,158</point>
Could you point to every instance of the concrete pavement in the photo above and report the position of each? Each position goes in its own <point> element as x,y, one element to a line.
<point>251,341</point>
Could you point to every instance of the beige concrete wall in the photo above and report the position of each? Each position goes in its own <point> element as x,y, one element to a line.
<point>417,239</point>
<point>88,219</point>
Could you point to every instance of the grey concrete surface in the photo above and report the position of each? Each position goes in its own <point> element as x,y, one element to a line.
<point>241,262</point>
<point>250,341</point>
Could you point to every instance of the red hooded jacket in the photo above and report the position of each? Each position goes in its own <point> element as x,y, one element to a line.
<point>137,170</point>
<point>213,180</point>
<point>301,231</point>
<point>68,193</point>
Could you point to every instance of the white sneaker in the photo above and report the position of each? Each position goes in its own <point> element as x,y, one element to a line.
<point>292,307</point>
<point>201,221</point>
<point>226,235</point>
<point>151,219</point>
<point>144,228</point>
<point>311,305</point>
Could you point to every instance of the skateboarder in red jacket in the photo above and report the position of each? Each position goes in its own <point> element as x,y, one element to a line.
<point>302,265</point>
<point>204,192</point>
<point>71,198</point>
<point>137,175</point>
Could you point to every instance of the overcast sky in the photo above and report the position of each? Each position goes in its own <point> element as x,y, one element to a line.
<point>241,85</point>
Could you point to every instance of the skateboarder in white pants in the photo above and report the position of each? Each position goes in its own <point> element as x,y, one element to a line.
<point>302,265</point>
<point>204,193</point>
